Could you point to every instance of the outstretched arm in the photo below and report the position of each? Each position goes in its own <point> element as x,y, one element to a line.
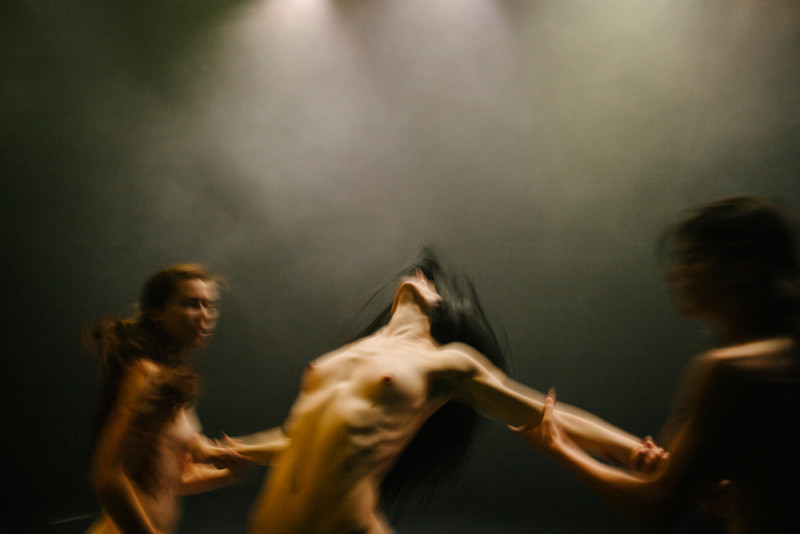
<point>263,447</point>
<point>200,477</point>
<point>490,392</point>
<point>642,496</point>
<point>209,465</point>
<point>595,435</point>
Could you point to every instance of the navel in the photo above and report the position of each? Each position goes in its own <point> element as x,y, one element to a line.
<point>388,378</point>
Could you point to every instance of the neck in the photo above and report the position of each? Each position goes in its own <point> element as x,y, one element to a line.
<point>408,318</point>
<point>738,328</point>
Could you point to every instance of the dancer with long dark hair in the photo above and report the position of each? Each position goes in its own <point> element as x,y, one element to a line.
<point>394,411</point>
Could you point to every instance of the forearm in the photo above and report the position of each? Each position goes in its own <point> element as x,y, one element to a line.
<point>641,497</point>
<point>198,478</point>
<point>493,394</point>
<point>262,447</point>
<point>596,436</point>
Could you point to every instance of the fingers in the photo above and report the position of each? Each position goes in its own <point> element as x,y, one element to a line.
<point>648,456</point>
<point>549,406</point>
<point>230,459</point>
<point>217,451</point>
<point>231,442</point>
<point>550,400</point>
<point>547,410</point>
<point>637,458</point>
<point>523,428</point>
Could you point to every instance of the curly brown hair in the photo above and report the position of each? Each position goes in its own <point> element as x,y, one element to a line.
<point>121,342</point>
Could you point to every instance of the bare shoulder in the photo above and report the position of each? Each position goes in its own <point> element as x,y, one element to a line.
<point>465,358</point>
<point>139,379</point>
<point>757,360</point>
<point>765,347</point>
<point>143,370</point>
<point>146,367</point>
<point>343,350</point>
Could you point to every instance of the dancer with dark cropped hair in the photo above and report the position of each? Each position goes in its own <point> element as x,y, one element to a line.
<point>732,439</point>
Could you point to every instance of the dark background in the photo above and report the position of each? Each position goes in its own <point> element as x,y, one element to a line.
<point>305,149</point>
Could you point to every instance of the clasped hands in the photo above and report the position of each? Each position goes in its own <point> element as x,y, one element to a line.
<point>222,455</point>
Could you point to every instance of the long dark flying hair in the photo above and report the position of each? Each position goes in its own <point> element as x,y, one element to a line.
<point>750,245</point>
<point>441,446</point>
<point>119,342</point>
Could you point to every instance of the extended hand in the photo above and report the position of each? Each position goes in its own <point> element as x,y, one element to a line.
<point>231,442</point>
<point>648,456</point>
<point>548,433</point>
<point>223,457</point>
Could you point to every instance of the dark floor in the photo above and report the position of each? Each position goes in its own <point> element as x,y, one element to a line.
<point>225,512</point>
<point>232,521</point>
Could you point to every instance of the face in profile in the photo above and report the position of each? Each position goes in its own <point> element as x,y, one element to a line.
<point>691,281</point>
<point>190,315</point>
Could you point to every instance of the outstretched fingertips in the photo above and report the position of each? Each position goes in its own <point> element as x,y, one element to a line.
<point>550,400</point>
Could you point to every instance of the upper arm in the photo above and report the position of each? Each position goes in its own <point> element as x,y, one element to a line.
<point>476,382</point>
<point>192,420</point>
<point>689,429</point>
<point>487,390</point>
<point>198,440</point>
<point>125,425</point>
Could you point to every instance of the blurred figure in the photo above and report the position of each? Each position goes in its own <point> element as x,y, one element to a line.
<point>148,448</point>
<point>733,435</point>
<point>392,412</point>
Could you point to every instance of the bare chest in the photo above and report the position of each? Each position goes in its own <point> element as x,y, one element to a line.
<point>364,390</point>
<point>393,378</point>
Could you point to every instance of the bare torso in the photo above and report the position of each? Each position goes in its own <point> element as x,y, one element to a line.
<point>164,454</point>
<point>361,405</point>
<point>357,410</point>
<point>752,397</point>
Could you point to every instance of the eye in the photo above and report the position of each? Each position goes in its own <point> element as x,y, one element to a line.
<point>193,303</point>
